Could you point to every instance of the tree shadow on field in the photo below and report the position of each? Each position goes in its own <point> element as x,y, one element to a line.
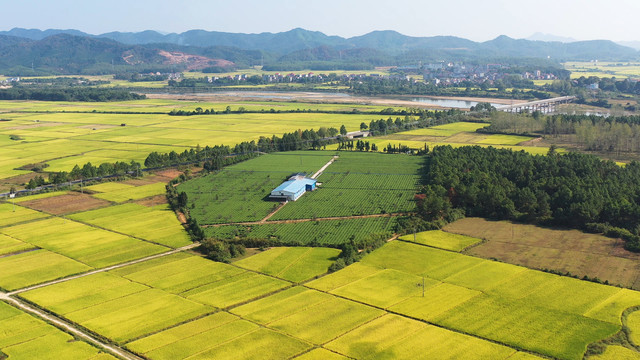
<point>368,349</point>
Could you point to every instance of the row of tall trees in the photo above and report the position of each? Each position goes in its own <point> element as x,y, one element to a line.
<point>575,190</point>
<point>68,94</point>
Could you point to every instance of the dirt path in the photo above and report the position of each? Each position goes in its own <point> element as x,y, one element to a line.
<point>272,213</point>
<point>319,172</point>
<point>295,221</point>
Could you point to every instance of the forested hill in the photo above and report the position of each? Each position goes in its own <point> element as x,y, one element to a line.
<point>575,190</point>
<point>387,42</point>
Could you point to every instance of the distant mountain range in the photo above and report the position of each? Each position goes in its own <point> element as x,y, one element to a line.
<point>73,51</point>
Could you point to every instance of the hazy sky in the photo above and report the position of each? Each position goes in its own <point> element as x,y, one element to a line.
<point>473,19</point>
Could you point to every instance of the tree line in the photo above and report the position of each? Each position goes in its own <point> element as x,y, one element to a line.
<point>69,94</point>
<point>575,190</point>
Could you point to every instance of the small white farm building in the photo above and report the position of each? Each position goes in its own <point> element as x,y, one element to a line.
<point>293,188</point>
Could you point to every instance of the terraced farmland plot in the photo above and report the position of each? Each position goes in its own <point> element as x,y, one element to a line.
<point>294,264</point>
<point>308,315</point>
<point>324,233</point>
<point>395,337</point>
<point>111,306</point>
<point>9,217</point>
<point>219,336</point>
<point>89,245</point>
<point>442,240</point>
<point>157,224</point>
<point>34,267</point>
<point>22,336</point>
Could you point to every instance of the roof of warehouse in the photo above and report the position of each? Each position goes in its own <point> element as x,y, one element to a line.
<point>294,185</point>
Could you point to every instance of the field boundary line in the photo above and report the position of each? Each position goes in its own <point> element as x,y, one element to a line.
<point>109,268</point>
<point>69,328</point>
<point>430,323</point>
<point>294,221</point>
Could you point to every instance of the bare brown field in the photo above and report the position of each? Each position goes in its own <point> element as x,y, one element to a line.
<point>544,248</point>
<point>66,204</point>
<point>153,201</point>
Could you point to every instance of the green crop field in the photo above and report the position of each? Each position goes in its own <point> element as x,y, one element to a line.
<point>107,137</point>
<point>442,240</point>
<point>34,267</point>
<point>307,314</point>
<point>25,337</point>
<point>132,192</point>
<point>111,305</point>
<point>10,214</point>
<point>202,280</point>
<point>497,301</point>
<point>395,337</point>
<point>454,134</point>
<point>633,323</point>
<point>89,245</point>
<point>239,192</point>
<point>294,264</point>
<point>219,336</point>
<point>10,245</point>
<point>157,224</point>
<point>324,233</point>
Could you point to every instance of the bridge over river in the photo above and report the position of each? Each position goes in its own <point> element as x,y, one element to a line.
<point>544,106</point>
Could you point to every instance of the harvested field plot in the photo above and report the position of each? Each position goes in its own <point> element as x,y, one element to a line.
<point>89,245</point>
<point>110,305</point>
<point>157,224</point>
<point>544,248</point>
<point>442,240</point>
<point>34,267</point>
<point>22,336</point>
<point>219,336</point>
<point>65,204</point>
<point>9,217</point>
<point>294,264</point>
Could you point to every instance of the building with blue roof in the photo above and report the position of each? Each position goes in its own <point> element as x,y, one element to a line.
<point>293,188</point>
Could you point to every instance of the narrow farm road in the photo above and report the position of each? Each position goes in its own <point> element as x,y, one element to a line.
<point>174,251</point>
<point>70,328</point>
<point>295,221</point>
<point>61,324</point>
